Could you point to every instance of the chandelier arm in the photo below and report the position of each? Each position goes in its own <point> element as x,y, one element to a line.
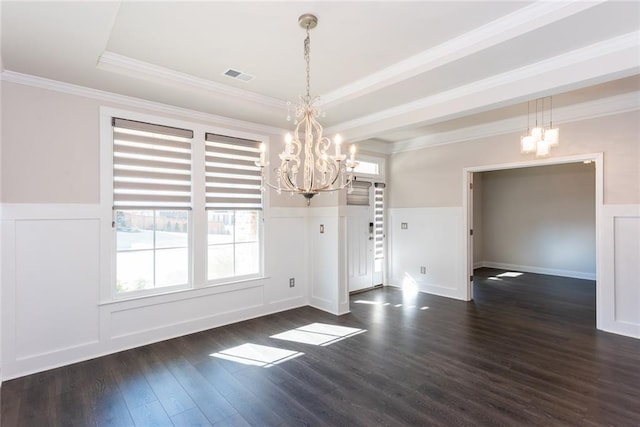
<point>286,190</point>
<point>320,148</point>
<point>297,144</point>
<point>335,178</point>
<point>289,183</point>
<point>334,168</point>
<point>285,176</point>
<point>270,185</point>
<point>290,164</point>
<point>327,188</point>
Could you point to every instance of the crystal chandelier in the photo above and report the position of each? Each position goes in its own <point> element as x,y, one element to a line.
<point>540,139</point>
<point>306,151</point>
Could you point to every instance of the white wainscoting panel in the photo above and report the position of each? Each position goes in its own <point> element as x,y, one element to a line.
<point>627,269</point>
<point>56,274</point>
<point>286,259</point>
<point>324,262</point>
<point>150,318</point>
<point>433,239</point>
<point>619,289</point>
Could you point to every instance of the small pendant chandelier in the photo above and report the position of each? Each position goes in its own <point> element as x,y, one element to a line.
<point>540,139</point>
<point>307,165</point>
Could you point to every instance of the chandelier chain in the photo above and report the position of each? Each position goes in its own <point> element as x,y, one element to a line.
<point>307,51</point>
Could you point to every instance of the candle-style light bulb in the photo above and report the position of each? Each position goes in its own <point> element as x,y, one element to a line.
<point>337,140</point>
<point>263,151</point>
<point>287,140</point>
<point>352,150</point>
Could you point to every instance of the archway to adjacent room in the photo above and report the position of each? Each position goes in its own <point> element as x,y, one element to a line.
<point>468,205</point>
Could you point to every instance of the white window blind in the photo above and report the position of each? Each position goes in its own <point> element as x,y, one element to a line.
<point>378,235</point>
<point>232,178</point>
<point>151,166</point>
<point>358,194</point>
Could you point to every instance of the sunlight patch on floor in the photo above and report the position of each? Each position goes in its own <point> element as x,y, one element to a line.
<point>384,304</point>
<point>498,277</point>
<point>321,334</point>
<point>257,355</point>
<point>509,274</point>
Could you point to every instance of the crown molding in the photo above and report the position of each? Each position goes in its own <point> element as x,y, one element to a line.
<point>624,45</point>
<point>104,96</point>
<point>521,21</point>
<point>584,111</point>
<point>114,62</point>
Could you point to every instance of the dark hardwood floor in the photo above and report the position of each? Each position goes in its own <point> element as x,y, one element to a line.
<point>526,352</point>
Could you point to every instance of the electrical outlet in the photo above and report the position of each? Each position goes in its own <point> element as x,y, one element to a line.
<point>423,270</point>
<point>321,228</point>
<point>292,282</point>
<point>404,226</point>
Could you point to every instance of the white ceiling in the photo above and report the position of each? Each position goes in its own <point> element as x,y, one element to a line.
<point>388,72</point>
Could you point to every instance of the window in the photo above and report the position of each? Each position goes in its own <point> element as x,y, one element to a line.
<point>151,203</point>
<point>152,249</point>
<point>379,233</point>
<point>234,203</point>
<point>233,243</point>
<point>367,168</point>
<point>176,190</point>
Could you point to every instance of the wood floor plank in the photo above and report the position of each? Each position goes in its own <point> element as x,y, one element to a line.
<point>131,381</point>
<point>252,409</point>
<point>105,404</point>
<point>209,401</point>
<point>233,421</point>
<point>290,409</point>
<point>191,417</point>
<point>170,393</point>
<point>525,352</point>
<point>151,414</point>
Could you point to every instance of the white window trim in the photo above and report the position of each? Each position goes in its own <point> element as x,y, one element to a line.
<point>381,161</point>
<point>198,217</point>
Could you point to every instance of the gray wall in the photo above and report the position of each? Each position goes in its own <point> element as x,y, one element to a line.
<point>538,219</point>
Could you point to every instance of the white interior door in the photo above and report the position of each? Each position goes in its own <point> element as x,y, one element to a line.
<point>360,247</point>
<point>365,229</point>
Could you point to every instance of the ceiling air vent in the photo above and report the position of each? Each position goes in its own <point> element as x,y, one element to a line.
<point>238,75</point>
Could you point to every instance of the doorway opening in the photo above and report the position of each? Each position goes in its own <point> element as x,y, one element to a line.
<point>468,210</point>
<point>366,235</point>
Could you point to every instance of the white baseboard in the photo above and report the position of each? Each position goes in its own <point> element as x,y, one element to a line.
<point>536,270</point>
<point>430,288</point>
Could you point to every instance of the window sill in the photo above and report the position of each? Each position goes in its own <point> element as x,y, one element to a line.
<point>185,293</point>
